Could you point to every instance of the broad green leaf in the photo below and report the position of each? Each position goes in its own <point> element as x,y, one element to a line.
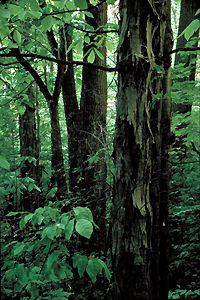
<point>34,14</point>
<point>99,54</point>
<point>93,269</point>
<point>15,9</point>
<point>19,248</point>
<point>34,5</point>
<point>89,14</point>
<point>27,218</point>
<point>70,5</point>
<point>110,45</point>
<point>65,220</point>
<point>82,4</point>
<point>49,231</point>
<point>190,29</point>
<point>4,13</point>
<point>91,57</point>
<point>83,213</point>
<point>69,229</point>
<point>107,272</point>
<point>46,23</point>
<point>80,262</point>
<point>84,228</point>
<point>52,258</point>
<point>4,163</point>
<point>17,39</point>
<point>52,212</point>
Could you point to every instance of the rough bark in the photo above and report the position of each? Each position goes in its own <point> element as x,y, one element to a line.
<point>142,133</point>
<point>29,148</point>
<point>93,106</point>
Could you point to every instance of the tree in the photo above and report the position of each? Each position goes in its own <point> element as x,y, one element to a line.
<point>142,139</point>
<point>29,150</point>
<point>87,125</point>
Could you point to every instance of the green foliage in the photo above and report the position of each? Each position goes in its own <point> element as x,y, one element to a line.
<point>44,256</point>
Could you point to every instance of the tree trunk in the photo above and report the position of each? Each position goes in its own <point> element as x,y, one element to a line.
<point>140,202</point>
<point>73,119</point>
<point>187,15</point>
<point>93,106</point>
<point>87,128</point>
<point>29,149</point>
<point>58,172</point>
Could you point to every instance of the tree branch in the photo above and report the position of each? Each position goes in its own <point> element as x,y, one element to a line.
<point>15,52</point>
<point>62,62</point>
<point>184,50</point>
<point>92,31</point>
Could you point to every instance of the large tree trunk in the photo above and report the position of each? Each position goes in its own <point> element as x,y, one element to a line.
<point>93,106</point>
<point>140,204</point>
<point>29,148</point>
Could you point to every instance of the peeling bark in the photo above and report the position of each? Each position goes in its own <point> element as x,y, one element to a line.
<point>138,215</point>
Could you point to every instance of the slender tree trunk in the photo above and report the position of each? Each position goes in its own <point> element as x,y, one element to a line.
<point>140,204</point>
<point>73,119</point>
<point>58,176</point>
<point>187,15</point>
<point>29,149</point>
<point>58,172</point>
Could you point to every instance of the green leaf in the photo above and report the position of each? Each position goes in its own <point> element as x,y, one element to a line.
<point>49,231</point>
<point>69,229</point>
<point>190,29</point>
<point>94,2</point>
<point>19,248</point>
<point>198,12</point>
<point>80,262</point>
<point>34,5</point>
<point>17,39</point>
<point>84,228</point>
<point>4,163</point>
<point>4,13</point>
<point>110,1</point>
<point>83,213</point>
<point>89,14</point>
<point>46,23</point>
<point>14,9</point>
<point>91,57</point>
<point>34,14</point>
<point>99,54</point>
<point>82,4</point>
<point>93,269</point>
<point>52,258</point>
<point>107,272</point>
<point>28,217</point>
<point>87,39</point>
<point>110,45</point>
